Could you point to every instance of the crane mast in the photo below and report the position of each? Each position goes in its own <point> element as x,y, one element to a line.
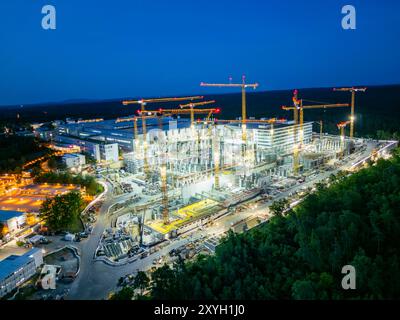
<point>243,85</point>
<point>342,126</point>
<point>353,98</point>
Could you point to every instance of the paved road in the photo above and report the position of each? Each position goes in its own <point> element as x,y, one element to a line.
<point>86,280</point>
<point>96,279</point>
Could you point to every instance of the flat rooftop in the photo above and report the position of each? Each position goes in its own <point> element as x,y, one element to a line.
<point>14,262</point>
<point>109,126</point>
<point>262,125</point>
<point>9,214</point>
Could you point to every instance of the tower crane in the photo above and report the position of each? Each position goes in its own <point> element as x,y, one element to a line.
<point>135,126</point>
<point>243,87</point>
<point>168,112</point>
<point>192,105</point>
<point>216,154</point>
<point>270,121</point>
<point>143,103</point>
<point>353,98</point>
<point>342,126</point>
<point>298,115</point>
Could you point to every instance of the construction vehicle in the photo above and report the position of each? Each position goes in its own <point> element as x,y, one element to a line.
<point>353,98</point>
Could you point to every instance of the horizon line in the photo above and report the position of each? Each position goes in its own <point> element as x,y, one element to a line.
<point>93,100</point>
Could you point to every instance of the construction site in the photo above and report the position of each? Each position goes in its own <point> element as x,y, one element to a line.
<point>186,177</point>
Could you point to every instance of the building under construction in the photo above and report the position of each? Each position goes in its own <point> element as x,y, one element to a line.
<point>198,171</point>
<point>211,161</point>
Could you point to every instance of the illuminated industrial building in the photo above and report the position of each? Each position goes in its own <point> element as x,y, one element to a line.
<point>15,270</point>
<point>281,137</point>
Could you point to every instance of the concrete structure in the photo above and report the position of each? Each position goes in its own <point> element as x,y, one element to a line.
<point>44,133</point>
<point>15,270</point>
<point>97,149</point>
<point>12,220</point>
<point>72,160</point>
<point>191,153</point>
<point>109,152</point>
<point>280,137</point>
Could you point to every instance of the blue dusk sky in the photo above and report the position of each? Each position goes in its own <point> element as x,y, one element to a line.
<point>130,48</point>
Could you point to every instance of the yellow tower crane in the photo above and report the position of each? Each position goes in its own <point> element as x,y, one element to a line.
<point>270,121</point>
<point>353,98</point>
<point>168,112</point>
<point>243,87</point>
<point>192,105</point>
<point>298,115</point>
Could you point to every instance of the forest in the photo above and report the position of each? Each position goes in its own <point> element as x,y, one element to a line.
<point>15,151</point>
<point>377,110</point>
<point>355,221</point>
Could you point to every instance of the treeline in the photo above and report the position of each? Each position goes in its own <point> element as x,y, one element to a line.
<point>88,182</point>
<point>15,151</point>
<point>355,221</point>
<point>377,108</point>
